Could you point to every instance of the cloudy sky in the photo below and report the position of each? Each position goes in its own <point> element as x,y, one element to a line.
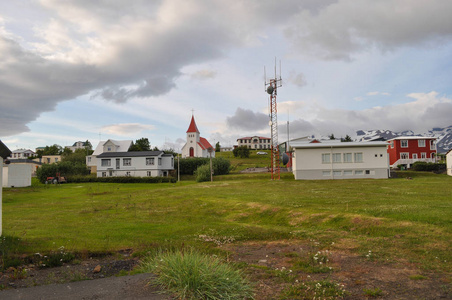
<point>90,70</point>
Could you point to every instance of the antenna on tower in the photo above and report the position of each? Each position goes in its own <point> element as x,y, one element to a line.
<point>271,89</point>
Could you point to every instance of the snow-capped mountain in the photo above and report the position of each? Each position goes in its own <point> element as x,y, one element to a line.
<point>443,136</point>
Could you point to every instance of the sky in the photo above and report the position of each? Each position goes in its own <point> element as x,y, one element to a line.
<point>96,70</point>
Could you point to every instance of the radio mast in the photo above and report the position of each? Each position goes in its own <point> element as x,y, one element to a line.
<point>271,88</point>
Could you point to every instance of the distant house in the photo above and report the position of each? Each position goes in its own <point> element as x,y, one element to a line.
<point>336,160</point>
<point>49,159</point>
<point>226,149</point>
<point>4,153</point>
<point>21,154</point>
<point>449,162</point>
<point>406,150</point>
<point>106,147</point>
<point>134,163</point>
<point>196,146</point>
<point>254,142</point>
<point>77,145</point>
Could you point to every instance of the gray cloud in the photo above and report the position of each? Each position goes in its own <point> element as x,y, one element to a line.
<point>247,120</point>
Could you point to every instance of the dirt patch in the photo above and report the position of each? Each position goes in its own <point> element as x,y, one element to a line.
<point>274,268</point>
<point>278,266</point>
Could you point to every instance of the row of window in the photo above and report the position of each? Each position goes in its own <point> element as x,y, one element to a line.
<point>406,155</point>
<point>127,162</point>
<point>356,157</point>
<point>254,141</point>
<point>148,173</point>
<point>420,143</point>
<point>346,172</point>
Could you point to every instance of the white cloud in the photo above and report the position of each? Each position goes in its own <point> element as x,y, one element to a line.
<point>129,129</point>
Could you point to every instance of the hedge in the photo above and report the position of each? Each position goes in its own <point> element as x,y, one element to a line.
<point>425,166</point>
<point>120,179</point>
<point>188,166</point>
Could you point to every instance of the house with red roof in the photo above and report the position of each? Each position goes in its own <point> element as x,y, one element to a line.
<point>196,146</point>
<point>255,142</point>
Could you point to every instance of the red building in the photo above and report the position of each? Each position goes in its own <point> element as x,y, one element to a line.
<point>406,150</point>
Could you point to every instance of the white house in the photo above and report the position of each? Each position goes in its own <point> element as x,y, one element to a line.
<point>134,163</point>
<point>196,146</point>
<point>21,154</point>
<point>335,160</point>
<point>255,142</point>
<point>77,145</point>
<point>4,153</point>
<point>449,162</point>
<point>106,147</point>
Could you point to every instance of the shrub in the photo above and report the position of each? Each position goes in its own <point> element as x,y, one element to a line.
<point>119,179</point>
<point>202,173</point>
<point>425,166</point>
<point>188,166</point>
<point>242,152</point>
<point>191,275</point>
<point>221,166</point>
<point>65,168</point>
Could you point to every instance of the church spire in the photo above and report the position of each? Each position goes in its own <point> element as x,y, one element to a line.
<point>192,127</point>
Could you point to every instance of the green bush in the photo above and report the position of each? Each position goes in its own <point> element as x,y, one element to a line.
<point>192,275</point>
<point>119,179</point>
<point>65,168</point>
<point>425,166</point>
<point>188,166</point>
<point>202,173</point>
<point>242,152</point>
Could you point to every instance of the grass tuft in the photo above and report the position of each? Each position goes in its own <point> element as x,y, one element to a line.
<point>192,275</point>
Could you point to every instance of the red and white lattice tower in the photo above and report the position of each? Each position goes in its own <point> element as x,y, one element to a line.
<point>271,88</point>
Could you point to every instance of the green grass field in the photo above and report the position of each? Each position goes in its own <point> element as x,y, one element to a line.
<point>396,219</point>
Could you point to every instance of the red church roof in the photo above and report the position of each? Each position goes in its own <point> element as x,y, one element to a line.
<point>204,143</point>
<point>192,127</point>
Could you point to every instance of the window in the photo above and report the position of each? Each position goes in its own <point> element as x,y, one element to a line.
<point>337,173</point>
<point>127,173</point>
<point>326,158</point>
<point>392,144</point>
<point>347,158</point>
<point>56,159</point>
<point>337,157</point>
<point>358,157</point>
<point>423,155</point>
<point>105,162</point>
<point>160,161</point>
<point>348,173</point>
<point>414,155</point>
<point>367,172</point>
<point>326,173</point>
<point>172,161</point>
<point>127,162</point>
<point>404,155</point>
<point>359,172</point>
<point>149,173</point>
<point>149,161</point>
<point>421,143</point>
<point>89,159</point>
<point>104,174</point>
<point>432,145</point>
<point>404,143</point>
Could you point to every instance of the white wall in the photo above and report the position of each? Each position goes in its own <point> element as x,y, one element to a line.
<point>449,163</point>
<point>307,163</point>
<point>17,175</point>
<point>137,168</point>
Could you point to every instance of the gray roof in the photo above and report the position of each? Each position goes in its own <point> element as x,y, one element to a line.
<point>4,151</point>
<point>130,154</point>
<point>338,145</point>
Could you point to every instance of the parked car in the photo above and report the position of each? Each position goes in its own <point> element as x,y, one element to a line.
<point>261,153</point>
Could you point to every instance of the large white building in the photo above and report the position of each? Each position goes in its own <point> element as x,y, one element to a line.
<point>134,163</point>
<point>196,146</point>
<point>336,160</point>
<point>21,154</point>
<point>255,142</point>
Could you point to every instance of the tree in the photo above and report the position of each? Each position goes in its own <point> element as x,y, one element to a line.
<point>346,139</point>
<point>140,145</point>
<point>217,147</point>
<point>242,152</point>
<point>331,137</point>
<point>76,157</point>
<point>52,150</point>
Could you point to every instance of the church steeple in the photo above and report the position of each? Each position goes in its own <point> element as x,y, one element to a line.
<point>192,127</point>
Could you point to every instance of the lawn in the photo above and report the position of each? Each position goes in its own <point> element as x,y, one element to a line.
<point>396,219</point>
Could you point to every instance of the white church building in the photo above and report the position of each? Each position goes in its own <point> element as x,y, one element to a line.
<point>196,146</point>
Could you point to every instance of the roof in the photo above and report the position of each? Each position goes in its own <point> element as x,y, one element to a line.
<point>123,146</point>
<point>338,145</point>
<point>250,137</point>
<point>192,127</point>
<point>204,143</point>
<point>22,151</point>
<point>413,138</point>
<point>130,154</point>
<point>4,151</point>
